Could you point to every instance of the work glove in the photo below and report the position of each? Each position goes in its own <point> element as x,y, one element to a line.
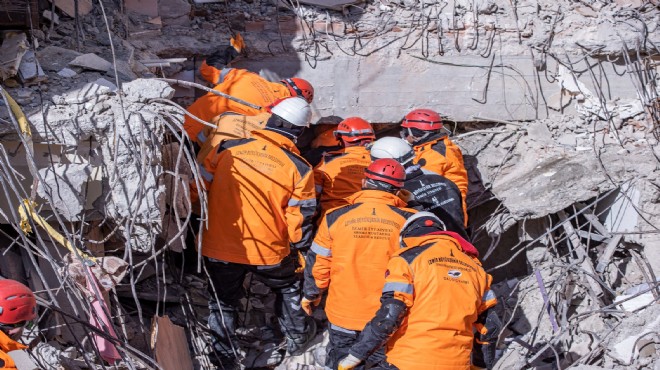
<point>405,195</point>
<point>222,57</point>
<point>348,363</point>
<point>301,263</point>
<point>308,305</point>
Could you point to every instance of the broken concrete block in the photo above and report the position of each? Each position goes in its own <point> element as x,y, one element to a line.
<point>535,188</point>
<point>54,58</point>
<point>144,7</point>
<point>142,90</point>
<point>538,131</point>
<point>63,185</point>
<point>69,7</point>
<point>52,17</point>
<point>66,73</point>
<point>23,361</point>
<point>13,48</point>
<point>636,303</point>
<point>637,345</point>
<point>30,71</point>
<point>103,82</point>
<point>174,12</point>
<point>88,92</point>
<point>91,61</point>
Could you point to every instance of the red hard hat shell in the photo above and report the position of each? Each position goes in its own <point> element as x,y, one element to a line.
<point>386,170</point>
<point>422,119</point>
<point>354,129</point>
<point>300,87</point>
<point>17,303</point>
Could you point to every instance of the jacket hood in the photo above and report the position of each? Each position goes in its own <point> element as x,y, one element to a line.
<point>277,140</point>
<point>376,196</point>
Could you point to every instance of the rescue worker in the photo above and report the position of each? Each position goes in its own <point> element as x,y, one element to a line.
<point>430,191</point>
<point>340,173</point>
<point>349,255</point>
<point>324,140</point>
<point>261,201</point>
<point>434,151</point>
<point>433,296</point>
<point>18,308</point>
<point>242,84</point>
<point>230,125</point>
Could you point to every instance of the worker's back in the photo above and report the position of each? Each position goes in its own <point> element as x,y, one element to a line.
<point>443,157</point>
<point>339,176</point>
<point>229,126</point>
<point>362,236</point>
<point>449,290</point>
<point>257,200</point>
<point>239,83</point>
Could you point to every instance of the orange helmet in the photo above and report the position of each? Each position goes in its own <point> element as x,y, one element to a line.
<point>17,303</point>
<point>386,170</point>
<point>423,119</point>
<point>354,129</point>
<point>300,87</point>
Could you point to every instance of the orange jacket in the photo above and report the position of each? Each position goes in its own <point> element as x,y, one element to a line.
<point>6,345</point>
<point>349,255</point>
<point>324,136</point>
<point>445,290</point>
<point>443,157</point>
<point>260,199</point>
<point>339,175</point>
<point>229,126</point>
<point>239,83</point>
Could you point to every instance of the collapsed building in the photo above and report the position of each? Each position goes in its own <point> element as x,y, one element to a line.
<point>554,104</point>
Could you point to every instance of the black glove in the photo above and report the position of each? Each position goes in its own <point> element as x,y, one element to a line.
<point>222,57</point>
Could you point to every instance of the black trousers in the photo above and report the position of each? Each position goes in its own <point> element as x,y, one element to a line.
<point>227,279</point>
<point>341,341</point>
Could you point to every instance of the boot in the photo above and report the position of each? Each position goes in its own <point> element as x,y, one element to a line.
<point>297,344</point>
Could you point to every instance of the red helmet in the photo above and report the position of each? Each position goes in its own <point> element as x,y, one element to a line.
<point>17,303</point>
<point>386,170</point>
<point>423,119</point>
<point>354,129</point>
<point>300,87</point>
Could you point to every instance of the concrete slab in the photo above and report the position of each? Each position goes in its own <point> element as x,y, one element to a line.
<point>91,61</point>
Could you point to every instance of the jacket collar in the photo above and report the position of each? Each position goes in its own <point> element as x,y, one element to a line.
<point>376,196</point>
<point>277,140</point>
<point>358,149</point>
<point>430,142</point>
<point>415,241</point>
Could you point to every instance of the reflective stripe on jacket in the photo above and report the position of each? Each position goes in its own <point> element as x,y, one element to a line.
<point>339,176</point>
<point>260,198</point>
<point>229,126</point>
<point>6,345</point>
<point>239,83</point>
<point>349,255</point>
<point>445,290</point>
<point>443,157</point>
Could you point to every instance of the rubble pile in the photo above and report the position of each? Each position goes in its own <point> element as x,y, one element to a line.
<point>554,104</point>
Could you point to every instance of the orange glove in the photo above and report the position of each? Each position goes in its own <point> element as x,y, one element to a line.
<point>308,305</point>
<point>301,263</point>
<point>237,42</point>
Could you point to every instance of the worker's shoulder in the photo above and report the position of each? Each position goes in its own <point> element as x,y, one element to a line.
<point>410,254</point>
<point>232,143</point>
<point>333,214</point>
<point>402,211</point>
<point>300,163</point>
<point>328,157</point>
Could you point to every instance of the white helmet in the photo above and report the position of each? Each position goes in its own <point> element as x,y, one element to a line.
<point>294,110</point>
<point>393,147</point>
